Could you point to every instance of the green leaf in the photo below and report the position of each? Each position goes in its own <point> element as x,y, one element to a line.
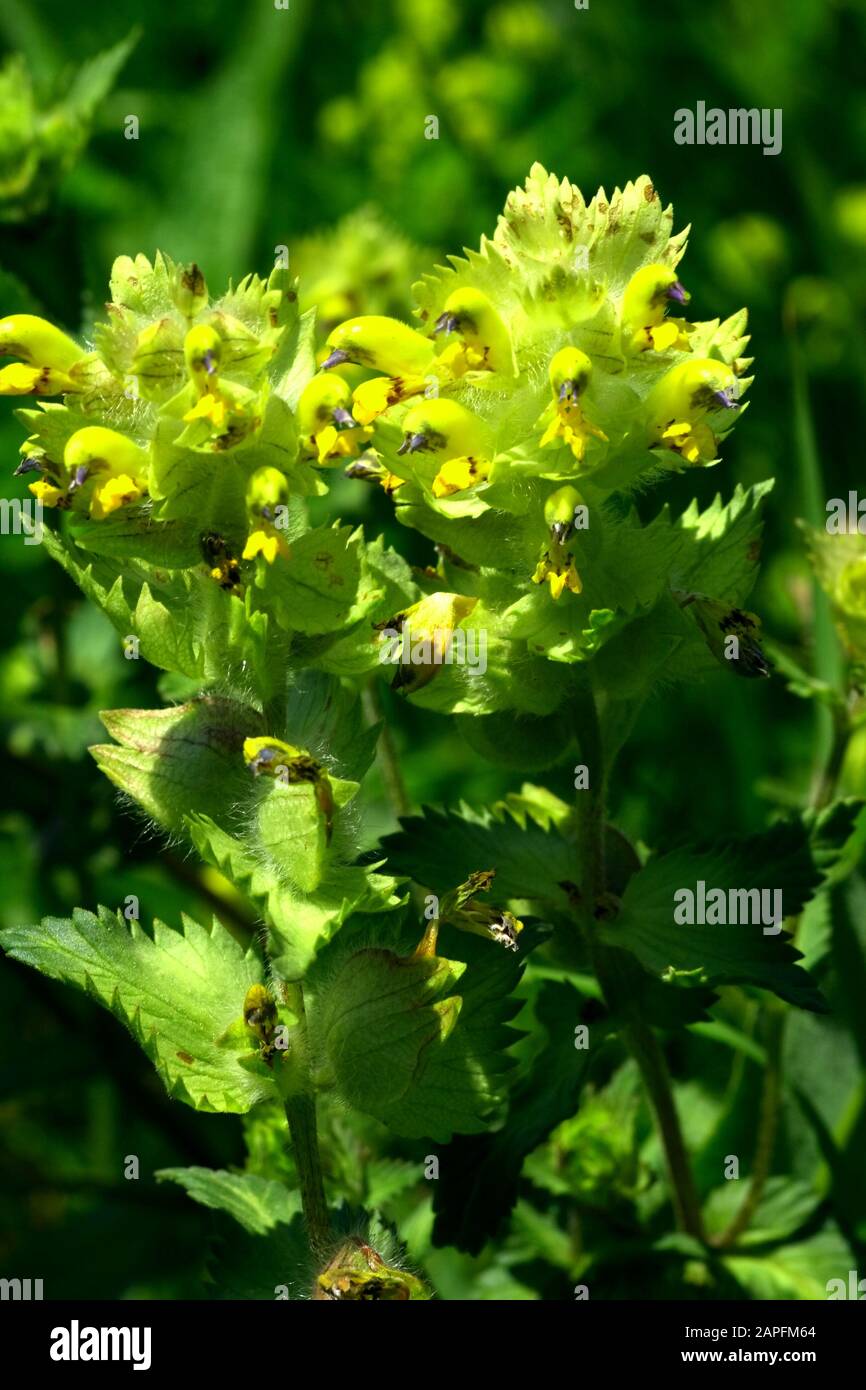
<point>479,1175</point>
<point>314,590</point>
<point>785,1207</point>
<point>800,1272</point>
<point>299,923</point>
<point>372,1027</point>
<point>782,858</point>
<point>179,761</point>
<point>256,1203</point>
<point>185,622</point>
<point>176,993</point>
<point>459,1043</point>
<point>440,849</point>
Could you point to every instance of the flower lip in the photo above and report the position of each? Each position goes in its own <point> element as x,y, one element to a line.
<point>569,390</point>
<point>31,464</point>
<point>727,399</point>
<point>79,477</point>
<point>336,359</point>
<point>678,292</point>
<point>343,419</point>
<point>413,444</point>
<point>446,323</point>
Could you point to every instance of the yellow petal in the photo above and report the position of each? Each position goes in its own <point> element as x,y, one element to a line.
<point>325,441</point>
<point>458,474</point>
<point>263,543</point>
<point>18,380</point>
<point>557,583</point>
<point>47,493</point>
<point>113,493</point>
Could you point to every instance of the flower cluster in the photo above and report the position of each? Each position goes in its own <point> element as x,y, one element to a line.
<point>170,377</point>
<point>551,376</point>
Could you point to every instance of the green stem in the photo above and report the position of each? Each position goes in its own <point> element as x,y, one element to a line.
<point>647,1052</point>
<point>301,1115</point>
<point>823,793</point>
<point>300,1105</point>
<point>389,762</point>
<point>768,1123</point>
<point>609,966</point>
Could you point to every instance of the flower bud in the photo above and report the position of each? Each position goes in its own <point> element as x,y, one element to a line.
<point>189,291</point>
<point>382,344</point>
<point>37,342</point>
<point>356,1273</point>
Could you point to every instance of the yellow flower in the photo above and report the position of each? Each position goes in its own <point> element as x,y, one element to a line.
<point>570,425</point>
<point>209,407</point>
<point>696,442</point>
<point>678,403</point>
<point>570,372</point>
<point>47,493</point>
<point>105,466</point>
<point>646,298</point>
<point>458,474</point>
<point>454,446</point>
<point>485,342</point>
<point>114,493</point>
<point>556,568</point>
<point>328,427</point>
<point>373,398</point>
<point>266,542</point>
<point>380,343</point>
<point>19,380</point>
<point>38,342</point>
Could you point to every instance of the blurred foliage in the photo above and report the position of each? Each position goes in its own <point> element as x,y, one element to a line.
<point>260,128</point>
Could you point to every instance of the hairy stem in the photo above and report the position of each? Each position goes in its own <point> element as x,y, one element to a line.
<point>301,1115</point>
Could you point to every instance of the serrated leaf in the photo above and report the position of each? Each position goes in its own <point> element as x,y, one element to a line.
<point>440,849</point>
<point>479,1174</point>
<point>175,762</point>
<point>781,859</point>
<point>313,590</point>
<point>462,1067</point>
<point>176,993</point>
<point>256,1203</point>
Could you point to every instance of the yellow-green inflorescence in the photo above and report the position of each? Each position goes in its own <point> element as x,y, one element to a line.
<point>169,377</point>
<point>549,377</point>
